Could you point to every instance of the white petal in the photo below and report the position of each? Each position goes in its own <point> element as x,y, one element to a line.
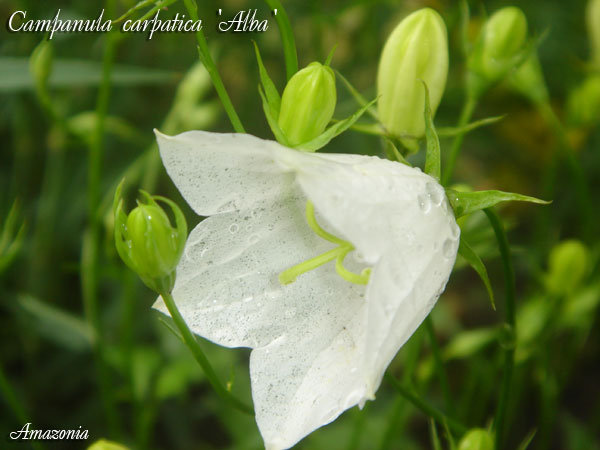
<point>218,173</point>
<point>321,344</point>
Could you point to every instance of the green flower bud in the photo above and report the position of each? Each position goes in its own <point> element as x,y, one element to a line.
<point>528,80</point>
<point>147,242</point>
<point>476,439</point>
<point>592,19</point>
<point>583,105</point>
<point>416,51</point>
<point>567,266</point>
<point>497,49</point>
<point>40,64</point>
<point>103,444</point>
<point>307,103</point>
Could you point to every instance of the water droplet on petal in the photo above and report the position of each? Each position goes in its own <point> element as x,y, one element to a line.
<point>424,203</point>
<point>448,248</point>
<point>435,193</point>
<point>233,228</point>
<point>253,239</point>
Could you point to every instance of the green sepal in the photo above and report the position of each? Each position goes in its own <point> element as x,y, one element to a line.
<point>279,136</point>
<point>362,101</point>
<point>272,96</point>
<point>393,153</point>
<point>467,252</point>
<point>464,203</point>
<point>333,131</point>
<point>433,165</point>
<point>453,131</point>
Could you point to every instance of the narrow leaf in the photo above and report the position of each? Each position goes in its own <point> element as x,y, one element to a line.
<point>287,37</point>
<point>272,121</point>
<point>273,98</point>
<point>136,7</point>
<point>465,203</point>
<point>432,159</point>
<point>525,444</point>
<point>435,439</point>
<point>333,131</point>
<point>393,152</point>
<point>465,250</point>
<point>453,131</point>
<point>467,343</point>
<point>357,95</point>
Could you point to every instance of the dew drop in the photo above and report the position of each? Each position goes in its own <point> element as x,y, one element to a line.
<point>455,230</point>
<point>253,239</point>
<point>435,193</point>
<point>424,203</point>
<point>233,228</point>
<point>448,248</point>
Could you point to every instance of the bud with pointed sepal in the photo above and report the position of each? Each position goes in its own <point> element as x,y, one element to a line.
<point>147,242</point>
<point>307,103</point>
<point>497,50</point>
<point>415,52</point>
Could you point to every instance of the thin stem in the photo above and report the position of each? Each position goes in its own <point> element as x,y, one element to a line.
<point>566,151</point>
<point>92,235</point>
<point>289,275</point>
<point>194,346</point>
<point>439,364</point>
<point>287,37</point>
<point>425,407</point>
<point>212,70</point>
<point>465,116</point>
<point>510,323</point>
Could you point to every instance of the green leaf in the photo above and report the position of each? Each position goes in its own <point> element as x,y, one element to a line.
<point>56,325</point>
<point>333,131</point>
<point>272,120</point>
<point>435,439</point>
<point>432,159</point>
<point>140,5</point>
<point>11,244</point>
<point>273,97</point>
<point>464,203</point>
<point>15,76</point>
<point>465,250</point>
<point>454,131</point>
<point>525,443</point>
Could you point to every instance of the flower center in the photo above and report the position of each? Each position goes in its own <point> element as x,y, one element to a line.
<point>344,247</point>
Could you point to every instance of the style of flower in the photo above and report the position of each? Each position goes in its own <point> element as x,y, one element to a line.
<point>323,264</point>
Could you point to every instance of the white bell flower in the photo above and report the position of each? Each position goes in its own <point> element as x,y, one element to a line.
<point>321,343</point>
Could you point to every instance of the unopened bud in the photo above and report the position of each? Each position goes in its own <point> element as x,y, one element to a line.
<point>476,439</point>
<point>567,266</point>
<point>496,51</point>
<point>583,105</point>
<point>40,64</point>
<point>592,20</point>
<point>148,243</point>
<point>307,103</point>
<point>415,52</point>
<point>528,80</point>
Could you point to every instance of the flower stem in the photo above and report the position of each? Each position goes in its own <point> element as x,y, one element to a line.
<point>92,235</point>
<point>212,70</point>
<point>428,409</point>
<point>287,38</point>
<point>192,343</point>
<point>510,323</point>
<point>439,364</point>
<point>465,116</point>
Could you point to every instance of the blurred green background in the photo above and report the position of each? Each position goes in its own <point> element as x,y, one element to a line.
<point>56,345</point>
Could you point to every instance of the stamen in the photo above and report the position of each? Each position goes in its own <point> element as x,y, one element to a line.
<point>344,247</point>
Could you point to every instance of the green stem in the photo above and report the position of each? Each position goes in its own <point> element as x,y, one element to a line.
<point>425,407</point>
<point>287,38</point>
<point>212,70</point>
<point>92,236</point>
<point>465,116</point>
<point>579,178</point>
<point>510,323</point>
<point>439,364</point>
<point>192,343</point>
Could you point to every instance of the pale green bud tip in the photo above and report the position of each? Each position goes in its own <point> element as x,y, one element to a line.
<point>103,444</point>
<point>307,104</point>
<point>148,243</point>
<point>415,52</point>
<point>583,105</point>
<point>567,266</point>
<point>592,19</point>
<point>501,40</point>
<point>476,439</point>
